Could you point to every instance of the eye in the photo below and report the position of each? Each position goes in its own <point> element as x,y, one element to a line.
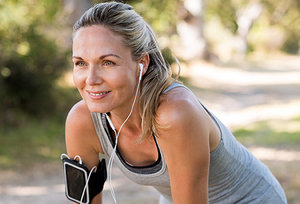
<point>108,63</point>
<point>80,64</point>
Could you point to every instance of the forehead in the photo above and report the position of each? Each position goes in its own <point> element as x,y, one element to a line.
<point>98,40</point>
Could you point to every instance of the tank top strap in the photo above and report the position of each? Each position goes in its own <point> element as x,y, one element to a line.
<point>172,86</point>
<point>176,84</point>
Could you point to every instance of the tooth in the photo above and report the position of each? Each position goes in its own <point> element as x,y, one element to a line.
<point>98,94</point>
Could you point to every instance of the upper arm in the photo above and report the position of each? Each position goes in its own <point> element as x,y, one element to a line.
<point>184,140</point>
<point>81,137</point>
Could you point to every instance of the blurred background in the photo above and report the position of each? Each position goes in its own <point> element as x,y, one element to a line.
<point>240,57</point>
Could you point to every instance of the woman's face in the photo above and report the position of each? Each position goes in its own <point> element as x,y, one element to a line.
<point>104,72</point>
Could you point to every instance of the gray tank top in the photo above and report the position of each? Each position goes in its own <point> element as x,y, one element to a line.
<point>235,175</point>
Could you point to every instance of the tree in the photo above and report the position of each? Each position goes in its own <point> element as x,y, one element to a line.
<point>31,62</point>
<point>260,24</point>
<point>191,29</point>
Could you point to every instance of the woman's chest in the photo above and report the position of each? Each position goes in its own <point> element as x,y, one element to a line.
<point>137,153</point>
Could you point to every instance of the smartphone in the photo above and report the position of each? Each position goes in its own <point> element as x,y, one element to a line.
<point>76,177</point>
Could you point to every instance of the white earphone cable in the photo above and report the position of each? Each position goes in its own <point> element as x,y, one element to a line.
<point>87,182</point>
<point>111,159</point>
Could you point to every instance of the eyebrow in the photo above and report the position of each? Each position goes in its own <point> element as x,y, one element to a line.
<point>101,57</point>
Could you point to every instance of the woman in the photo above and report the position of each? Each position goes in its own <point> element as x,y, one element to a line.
<point>169,140</point>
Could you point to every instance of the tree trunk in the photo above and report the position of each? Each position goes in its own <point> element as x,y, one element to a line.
<point>245,20</point>
<point>75,8</point>
<point>191,30</point>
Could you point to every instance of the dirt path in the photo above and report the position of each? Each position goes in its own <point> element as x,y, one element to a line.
<point>238,96</point>
<point>235,95</point>
<point>44,185</point>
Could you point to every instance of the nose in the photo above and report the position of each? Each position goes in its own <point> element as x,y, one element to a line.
<point>94,76</point>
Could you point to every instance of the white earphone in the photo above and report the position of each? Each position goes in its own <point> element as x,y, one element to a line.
<point>141,71</point>
<point>111,159</point>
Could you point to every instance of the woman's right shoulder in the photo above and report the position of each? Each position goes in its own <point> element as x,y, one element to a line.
<point>80,128</point>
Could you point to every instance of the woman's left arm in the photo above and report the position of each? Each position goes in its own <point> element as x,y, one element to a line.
<point>184,140</point>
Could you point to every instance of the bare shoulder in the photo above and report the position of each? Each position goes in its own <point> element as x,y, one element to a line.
<point>81,136</point>
<point>179,108</point>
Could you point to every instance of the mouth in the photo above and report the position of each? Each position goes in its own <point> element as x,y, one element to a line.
<point>98,94</point>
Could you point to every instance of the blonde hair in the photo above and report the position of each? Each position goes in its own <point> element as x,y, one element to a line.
<point>139,36</point>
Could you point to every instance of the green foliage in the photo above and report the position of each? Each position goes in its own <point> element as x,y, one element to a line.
<point>31,62</point>
<point>226,12</point>
<point>160,14</point>
<point>283,16</point>
<point>291,45</point>
<point>168,56</point>
<point>271,133</point>
<point>34,141</point>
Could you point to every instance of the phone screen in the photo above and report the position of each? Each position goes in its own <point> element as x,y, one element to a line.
<point>76,181</point>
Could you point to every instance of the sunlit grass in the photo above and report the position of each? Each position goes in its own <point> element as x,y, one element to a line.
<point>279,133</point>
<point>32,142</point>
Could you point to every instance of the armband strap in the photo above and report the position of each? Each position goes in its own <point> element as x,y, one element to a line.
<point>98,179</point>
<point>76,176</point>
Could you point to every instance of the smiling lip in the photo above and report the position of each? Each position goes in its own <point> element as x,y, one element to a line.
<point>98,94</point>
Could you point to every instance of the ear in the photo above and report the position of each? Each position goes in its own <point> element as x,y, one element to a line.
<point>144,60</point>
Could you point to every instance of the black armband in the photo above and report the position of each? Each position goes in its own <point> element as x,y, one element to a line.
<point>79,181</point>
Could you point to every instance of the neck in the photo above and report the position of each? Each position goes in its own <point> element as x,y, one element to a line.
<point>134,121</point>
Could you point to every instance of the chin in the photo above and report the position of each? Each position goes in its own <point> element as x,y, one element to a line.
<point>97,108</point>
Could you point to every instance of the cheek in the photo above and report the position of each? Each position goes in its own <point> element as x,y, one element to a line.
<point>120,80</point>
<point>78,79</point>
